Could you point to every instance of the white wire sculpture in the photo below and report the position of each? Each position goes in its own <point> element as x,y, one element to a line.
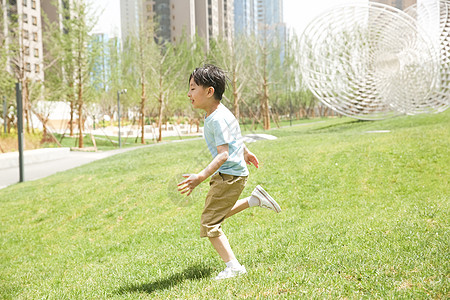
<point>372,61</point>
<point>430,16</point>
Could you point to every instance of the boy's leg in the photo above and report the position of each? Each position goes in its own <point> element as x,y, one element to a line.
<point>223,247</point>
<point>234,268</point>
<point>238,207</point>
<point>259,197</point>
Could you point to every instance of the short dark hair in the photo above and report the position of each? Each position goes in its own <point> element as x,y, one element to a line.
<point>210,76</point>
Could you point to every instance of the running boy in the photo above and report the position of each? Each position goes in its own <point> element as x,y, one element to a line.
<point>228,167</point>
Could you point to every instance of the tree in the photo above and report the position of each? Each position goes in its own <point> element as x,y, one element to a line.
<point>190,54</point>
<point>167,68</point>
<point>235,58</point>
<point>140,50</point>
<point>115,79</point>
<point>6,79</point>
<point>17,45</point>
<point>83,61</point>
<point>76,51</point>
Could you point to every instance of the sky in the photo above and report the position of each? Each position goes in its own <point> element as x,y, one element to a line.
<point>108,12</point>
<point>297,13</point>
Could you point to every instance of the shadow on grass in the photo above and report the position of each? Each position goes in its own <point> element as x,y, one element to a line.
<point>195,272</point>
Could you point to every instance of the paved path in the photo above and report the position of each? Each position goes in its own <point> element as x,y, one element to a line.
<point>37,169</point>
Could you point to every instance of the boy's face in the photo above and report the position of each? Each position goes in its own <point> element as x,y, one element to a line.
<point>201,97</point>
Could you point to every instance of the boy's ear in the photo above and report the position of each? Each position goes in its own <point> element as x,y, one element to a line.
<point>210,91</point>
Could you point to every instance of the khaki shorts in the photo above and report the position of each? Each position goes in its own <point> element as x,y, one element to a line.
<point>223,193</point>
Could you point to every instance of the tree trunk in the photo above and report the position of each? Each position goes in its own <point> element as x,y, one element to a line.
<point>80,114</point>
<point>72,108</point>
<point>142,111</point>
<point>161,110</point>
<point>235,98</point>
<point>265,105</point>
<point>25,104</point>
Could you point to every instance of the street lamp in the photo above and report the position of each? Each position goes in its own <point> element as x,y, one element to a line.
<point>20,130</point>
<point>124,91</point>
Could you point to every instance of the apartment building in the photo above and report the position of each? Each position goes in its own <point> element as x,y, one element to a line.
<point>400,4</point>
<point>245,21</point>
<point>269,12</point>
<point>179,19</point>
<point>270,23</point>
<point>22,27</point>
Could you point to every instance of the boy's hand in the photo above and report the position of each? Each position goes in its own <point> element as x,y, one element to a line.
<point>251,159</point>
<point>186,186</point>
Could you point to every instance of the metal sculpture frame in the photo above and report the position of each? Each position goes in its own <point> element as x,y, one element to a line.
<point>426,15</point>
<point>372,61</point>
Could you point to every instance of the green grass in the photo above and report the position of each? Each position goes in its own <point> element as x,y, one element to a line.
<point>106,143</point>
<point>365,215</point>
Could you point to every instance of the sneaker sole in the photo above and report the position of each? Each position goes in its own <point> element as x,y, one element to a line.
<point>234,275</point>
<point>269,198</point>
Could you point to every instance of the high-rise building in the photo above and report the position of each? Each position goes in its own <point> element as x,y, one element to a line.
<point>179,19</point>
<point>131,13</point>
<point>226,18</point>
<point>182,18</point>
<point>271,26</point>
<point>269,12</point>
<point>261,17</point>
<point>400,4</point>
<point>22,26</point>
<point>245,21</point>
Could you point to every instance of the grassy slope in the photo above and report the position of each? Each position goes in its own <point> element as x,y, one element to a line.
<point>364,214</point>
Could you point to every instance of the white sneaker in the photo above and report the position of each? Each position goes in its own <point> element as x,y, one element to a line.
<point>265,200</point>
<point>231,272</point>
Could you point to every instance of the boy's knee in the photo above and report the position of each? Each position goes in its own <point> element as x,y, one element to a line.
<point>211,231</point>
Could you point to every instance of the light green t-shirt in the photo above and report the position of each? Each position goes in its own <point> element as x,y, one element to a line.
<point>221,127</point>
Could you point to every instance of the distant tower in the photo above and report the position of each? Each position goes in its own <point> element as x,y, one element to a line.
<point>129,17</point>
<point>400,4</point>
<point>177,19</point>
<point>269,15</point>
<point>22,26</point>
<point>245,21</point>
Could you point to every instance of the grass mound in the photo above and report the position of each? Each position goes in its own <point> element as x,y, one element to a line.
<point>365,214</point>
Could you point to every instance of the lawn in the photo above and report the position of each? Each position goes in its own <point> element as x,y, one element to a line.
<point>365,215</point>
<point>106,143</point>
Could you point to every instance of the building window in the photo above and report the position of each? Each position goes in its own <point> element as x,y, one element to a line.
<point>25,34</point>
<point>24,2</point>
<point>25,18</point>
<point>37,68</point>
<point>28,67</point>
<point>33,4</point>
<point>149,7</point>
<point>26,50</point>
<point>173,28</point>
<point>36,52</point>
<point>34,19</point>
<point>35,36</point>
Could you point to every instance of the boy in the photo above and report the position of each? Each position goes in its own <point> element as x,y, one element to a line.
<point>228,167</point>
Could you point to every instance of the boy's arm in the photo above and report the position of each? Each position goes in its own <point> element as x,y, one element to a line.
<point>250,158</point>
<point>193,180</point>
